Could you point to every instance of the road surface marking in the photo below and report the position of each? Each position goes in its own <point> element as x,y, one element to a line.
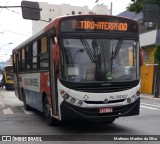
<point>7,111</point>
<point>27,112</point>
<point>1,101</point>
<point>151,105</point>
<point>142,106</point>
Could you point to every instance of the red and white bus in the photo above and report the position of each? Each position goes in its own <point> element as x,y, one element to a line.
<point>81,67</point>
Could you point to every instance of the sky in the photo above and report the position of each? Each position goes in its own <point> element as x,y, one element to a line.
<point>14,29</point>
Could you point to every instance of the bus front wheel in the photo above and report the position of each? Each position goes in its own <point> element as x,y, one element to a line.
<point>47,113</point>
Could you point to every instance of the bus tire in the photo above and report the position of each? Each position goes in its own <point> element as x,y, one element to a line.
<point>26,106</point>
<point>47,114</point>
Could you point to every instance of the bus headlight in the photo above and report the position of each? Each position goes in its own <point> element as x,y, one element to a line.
<point>132,99</point>
<point>129,100</point>
<point>66,96</point>
<point>79,103</point>
<point>70,99</point>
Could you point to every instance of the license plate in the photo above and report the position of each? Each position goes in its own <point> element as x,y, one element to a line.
<point>105,110</point>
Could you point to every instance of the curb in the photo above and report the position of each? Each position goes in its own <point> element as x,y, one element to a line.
<point>151,97</point>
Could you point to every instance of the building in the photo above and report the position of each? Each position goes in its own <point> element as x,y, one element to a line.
<point>9,61</point>
<point>51,11</point>
<point>149,37</point>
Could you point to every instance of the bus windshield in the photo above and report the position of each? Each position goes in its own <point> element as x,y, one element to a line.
<point>9,72</point>
<point>91,60</point>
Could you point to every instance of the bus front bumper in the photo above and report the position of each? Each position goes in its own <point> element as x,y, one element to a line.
<point>71,112</point>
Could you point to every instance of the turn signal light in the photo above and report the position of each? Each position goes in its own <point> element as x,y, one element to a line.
<point>138,93</point>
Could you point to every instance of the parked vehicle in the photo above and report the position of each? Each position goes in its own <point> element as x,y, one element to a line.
<point>7,79</point>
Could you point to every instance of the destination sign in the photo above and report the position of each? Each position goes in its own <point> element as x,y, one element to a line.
<point>96,24</point>
<point>100,25</point>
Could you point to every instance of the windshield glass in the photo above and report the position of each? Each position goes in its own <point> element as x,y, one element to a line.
<point>91,60</point>
<point>9,72</point>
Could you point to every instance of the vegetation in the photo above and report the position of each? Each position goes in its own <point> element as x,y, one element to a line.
<point>157,58</point>
<point>137,5</point>
<point>157,54</point>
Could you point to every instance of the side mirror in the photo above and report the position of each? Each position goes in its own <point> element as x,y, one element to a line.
<point>55,53</point>
<point>141,58</point>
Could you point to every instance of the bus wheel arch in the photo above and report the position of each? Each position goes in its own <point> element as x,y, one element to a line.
<point>47,110</point>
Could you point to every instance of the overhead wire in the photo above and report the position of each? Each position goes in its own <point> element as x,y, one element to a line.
<point>17,33</point>
<point>9,9</point>
<point>4,5</point>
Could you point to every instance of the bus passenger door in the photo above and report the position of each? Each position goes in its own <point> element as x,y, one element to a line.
<point>17,81</point>
<point>53,78</point>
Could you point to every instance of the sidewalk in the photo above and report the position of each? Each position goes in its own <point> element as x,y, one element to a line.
<point>149,96</point>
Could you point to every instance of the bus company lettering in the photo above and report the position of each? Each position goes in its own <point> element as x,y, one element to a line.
<point>102,25</point>
<point>31,81</point>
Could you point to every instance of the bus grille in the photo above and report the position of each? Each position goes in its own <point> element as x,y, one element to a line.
<point>104,89</point>
<point>102,102</point>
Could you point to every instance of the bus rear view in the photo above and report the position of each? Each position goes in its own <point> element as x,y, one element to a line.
<point>8,77</point>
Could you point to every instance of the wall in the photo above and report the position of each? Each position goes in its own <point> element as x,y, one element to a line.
<point>147,71</point>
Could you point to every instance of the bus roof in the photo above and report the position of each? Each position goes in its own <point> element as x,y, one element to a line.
<point>55,23</point>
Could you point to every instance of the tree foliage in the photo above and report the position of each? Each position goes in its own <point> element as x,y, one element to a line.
<point>157,53</point>
<point>137,5</point>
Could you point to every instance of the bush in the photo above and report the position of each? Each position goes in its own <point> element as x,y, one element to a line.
<point>157,54</point>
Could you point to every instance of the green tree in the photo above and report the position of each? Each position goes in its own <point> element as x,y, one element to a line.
<point>157,54</point>
<point>137,5</point>
<point>157,58</point>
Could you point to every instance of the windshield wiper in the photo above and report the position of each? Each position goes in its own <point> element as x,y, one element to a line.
<point>116,51</point>
<point>88,50</point>
<point>67,53</point>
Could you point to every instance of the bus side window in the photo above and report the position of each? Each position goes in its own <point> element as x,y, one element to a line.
<point>23,59</point>
<point>34,54</point>
<point>14,62</point>
<point>43,54</point>
<point>28,57</point>
<point>19,60</point>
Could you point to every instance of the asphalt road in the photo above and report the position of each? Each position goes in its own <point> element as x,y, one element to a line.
<point>14,120</point>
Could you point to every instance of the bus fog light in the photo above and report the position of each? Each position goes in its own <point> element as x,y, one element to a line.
<point>79,103</point>
<point>72,100</point>
<point>66,96</point>
<point>129,100</point>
